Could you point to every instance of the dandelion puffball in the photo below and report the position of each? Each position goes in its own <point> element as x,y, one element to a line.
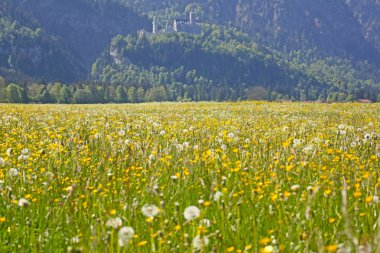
<point>217,195</point>
<point>191,213</point>
<point>13,172</point>
<point>200,243</point>
<point>23,202</point>
<point>149,210</point>
<point>125,234</point>
<point>114,223</point>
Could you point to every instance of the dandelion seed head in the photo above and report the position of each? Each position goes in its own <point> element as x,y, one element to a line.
<point>200,243</point>
<point>125,234</point>
<point>149,210</point>
<point>217,195</point>
<point>2,162</point>
<point>23,202</point>
<point>295,187</point>
<point>297,143</point>
<point>205,222</point>
<point>191,213</point>
<point>9,151</point>
<point>13,172</point>
<point>114,223</point>
<point>25,151</point>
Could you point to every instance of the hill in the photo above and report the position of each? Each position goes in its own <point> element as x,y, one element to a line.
<point>344,28</point>
<point>59,40</point>
<point>224,64</point>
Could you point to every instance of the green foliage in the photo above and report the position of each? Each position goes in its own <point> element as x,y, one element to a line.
<point>3,93</point>
<point>47,41</point>
<point>352,80</point>
<point>132,95</point>
<point>223,64</point>
<point>157,94</point>
<point>14,93</point>
<point>121,95</point>
<point>65,94</point>
<point>83,96</point>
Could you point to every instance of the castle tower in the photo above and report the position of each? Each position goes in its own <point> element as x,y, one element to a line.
<point>175,25</point>
<point>155,25</point>
<point>192,17</point>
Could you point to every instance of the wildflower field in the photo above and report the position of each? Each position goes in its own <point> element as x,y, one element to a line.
<point>191,177</point>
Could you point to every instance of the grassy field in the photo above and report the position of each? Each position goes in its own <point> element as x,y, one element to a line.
<point>207,177</point>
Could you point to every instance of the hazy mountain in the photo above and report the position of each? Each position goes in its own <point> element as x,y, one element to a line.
<point>367,13</point>
<point>72,34</point>
<point>346,28</point>
<point>334,27</point>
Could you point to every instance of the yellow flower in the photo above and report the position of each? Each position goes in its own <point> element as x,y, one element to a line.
<point>230,249</point>
<point>207,203</point>
<point>327,192</point>
<point>287,194</point>
<point>331,248</point>
<point>267,249</point>
<point>149,219</point>
<point>369,199</point>
<point>248,247</point>
<point>273,197</point>
<point>201,230</point>
<point>2,219</point>
<point>142,243</point>
<point>264,241</point>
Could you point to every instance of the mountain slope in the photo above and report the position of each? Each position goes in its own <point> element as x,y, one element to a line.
<point>341,28</point>
<point>368,15</point>
<point>80,29</point>
<point>329,26</point>
<point>223,64</point>
<point>28,52</point>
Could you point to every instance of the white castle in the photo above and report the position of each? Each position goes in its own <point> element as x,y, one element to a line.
<point>179,25</point>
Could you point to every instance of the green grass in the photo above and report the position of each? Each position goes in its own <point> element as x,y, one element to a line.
<point>283,169</point>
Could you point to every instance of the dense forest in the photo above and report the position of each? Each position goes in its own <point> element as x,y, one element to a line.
<point>91,51</point>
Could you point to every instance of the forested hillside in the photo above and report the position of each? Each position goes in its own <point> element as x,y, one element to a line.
<point>59,40</point>
<point>339,28</point>
<point>27,52</point>
<point>224,64</point>
<point>88,51</point>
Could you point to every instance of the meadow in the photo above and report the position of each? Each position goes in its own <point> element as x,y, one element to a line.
<point>190,177</point>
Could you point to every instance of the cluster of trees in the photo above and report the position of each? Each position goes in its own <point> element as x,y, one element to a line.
<point>224,64</point>
<point>347,80</point>
<point>96,93</point>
